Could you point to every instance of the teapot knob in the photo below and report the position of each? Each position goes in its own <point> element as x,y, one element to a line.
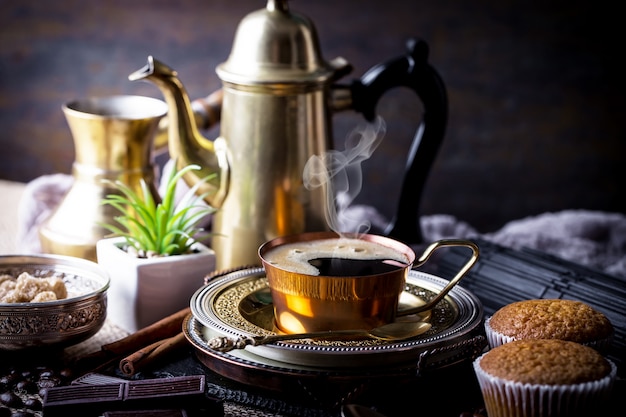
<point>277,5</point>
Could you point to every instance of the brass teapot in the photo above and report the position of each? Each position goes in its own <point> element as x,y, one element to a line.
<point>274,108</point>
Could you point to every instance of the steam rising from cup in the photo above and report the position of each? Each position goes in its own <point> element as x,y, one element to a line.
<point>340,172</point>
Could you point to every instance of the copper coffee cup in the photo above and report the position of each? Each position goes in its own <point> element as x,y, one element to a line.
<point>305,302</point>
<point>310,293</point>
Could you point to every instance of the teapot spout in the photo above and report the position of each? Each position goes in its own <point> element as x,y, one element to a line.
<point>185,143</point>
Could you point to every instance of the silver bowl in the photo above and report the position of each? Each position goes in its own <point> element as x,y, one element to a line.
<point>59,323</point>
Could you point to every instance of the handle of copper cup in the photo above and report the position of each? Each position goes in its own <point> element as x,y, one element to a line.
<point>459,275</point>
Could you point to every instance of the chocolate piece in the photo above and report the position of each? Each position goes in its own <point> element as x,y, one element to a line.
<point>81,394</point>
<point>151,394</point>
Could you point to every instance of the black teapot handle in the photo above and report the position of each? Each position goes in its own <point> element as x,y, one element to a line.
<point>410,70</point>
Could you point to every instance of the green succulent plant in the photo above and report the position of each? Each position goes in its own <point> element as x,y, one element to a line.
<point>164,228</point>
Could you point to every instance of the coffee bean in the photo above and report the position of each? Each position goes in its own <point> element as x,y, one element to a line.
<point>33,404</point>
<point>46,373</point>
<point>26,386</point>
<point>23,388</point>
<point>10,399</point>
<point>8,380</point>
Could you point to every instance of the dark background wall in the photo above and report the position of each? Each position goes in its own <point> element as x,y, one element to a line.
<point>535,88</point>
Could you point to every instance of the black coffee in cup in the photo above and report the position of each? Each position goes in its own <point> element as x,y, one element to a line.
<point>337,257</point>
<point>340,267</point>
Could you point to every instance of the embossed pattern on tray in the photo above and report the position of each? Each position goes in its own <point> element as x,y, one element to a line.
<point>226,309</point>
<point>216,307</point>
<point>458,320</point>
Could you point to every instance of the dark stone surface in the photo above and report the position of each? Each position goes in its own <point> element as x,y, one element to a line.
<point>536,89</point>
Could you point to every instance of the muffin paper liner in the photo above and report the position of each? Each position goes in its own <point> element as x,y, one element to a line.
<point>495,338</point>
<point>506,398</point>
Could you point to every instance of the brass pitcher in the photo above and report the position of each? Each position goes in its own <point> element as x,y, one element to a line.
<point>277,100</point>
<point>113,139</point>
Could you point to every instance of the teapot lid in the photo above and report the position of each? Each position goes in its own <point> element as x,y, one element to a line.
<point>275,45</point>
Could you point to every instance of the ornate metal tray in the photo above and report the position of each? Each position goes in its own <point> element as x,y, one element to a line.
<point>223,308</point>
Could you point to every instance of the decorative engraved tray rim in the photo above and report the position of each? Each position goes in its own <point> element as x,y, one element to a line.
<point>469,313</point>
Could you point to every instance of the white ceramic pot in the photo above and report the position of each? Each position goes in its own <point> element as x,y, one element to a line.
<point>143,291</point>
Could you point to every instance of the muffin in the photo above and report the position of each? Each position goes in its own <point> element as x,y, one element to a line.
<point>544,377</point>
<point>569,320</point>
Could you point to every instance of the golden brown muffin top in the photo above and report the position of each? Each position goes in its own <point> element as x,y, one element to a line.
<point>545,361</point>
<point>551,319</point>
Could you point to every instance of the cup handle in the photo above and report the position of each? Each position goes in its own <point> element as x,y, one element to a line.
<point>459,275</point>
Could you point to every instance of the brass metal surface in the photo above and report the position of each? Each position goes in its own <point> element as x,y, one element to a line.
<point>275,46</point>
<point>113,139</point>
<point>275,114</point>
<point>446,243</point>
<point>277,97</point>
<point>257,307</point>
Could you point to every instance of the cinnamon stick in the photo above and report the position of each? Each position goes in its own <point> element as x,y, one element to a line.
<point>165,328</point>
<point>151,354</point>
<point>162,329</point>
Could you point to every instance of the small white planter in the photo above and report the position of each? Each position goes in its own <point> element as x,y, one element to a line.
<point>143,291</point>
